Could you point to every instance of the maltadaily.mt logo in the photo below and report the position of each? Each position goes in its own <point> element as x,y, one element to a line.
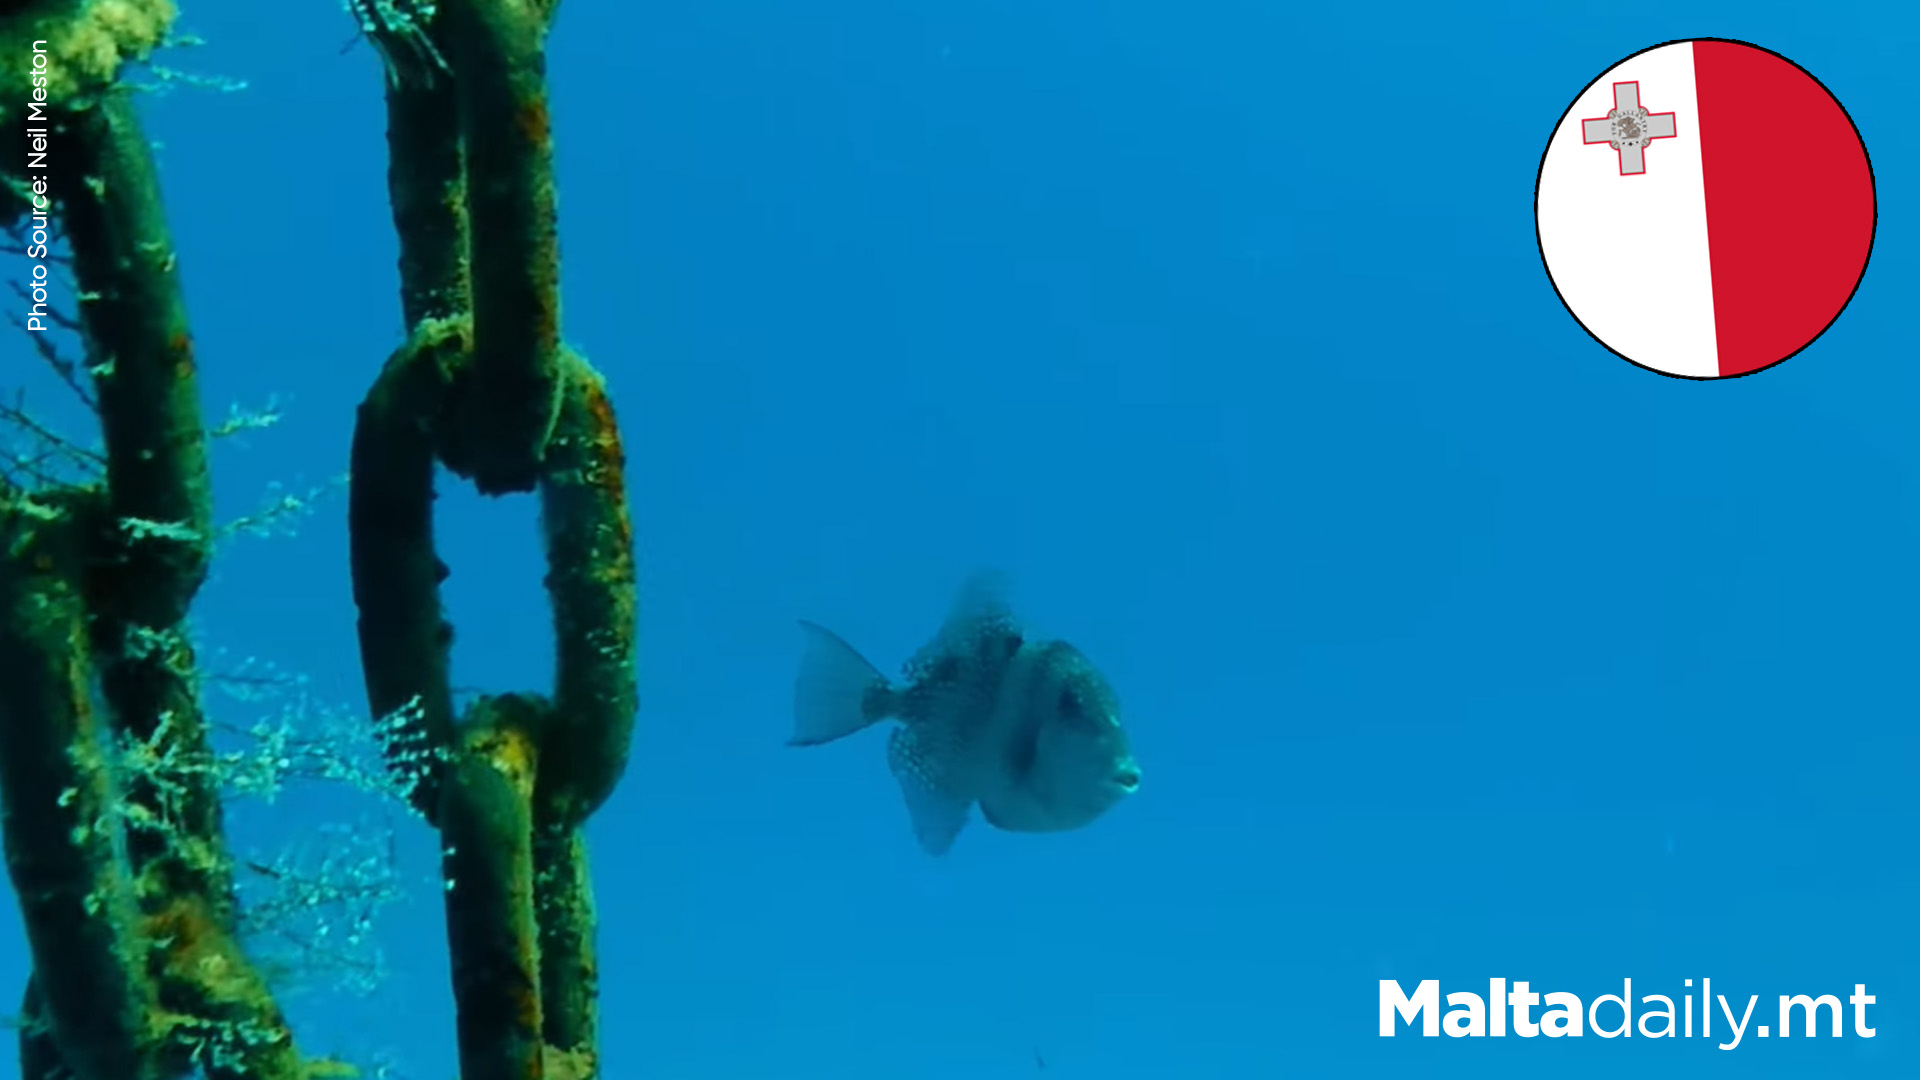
<point>1565,1014</point>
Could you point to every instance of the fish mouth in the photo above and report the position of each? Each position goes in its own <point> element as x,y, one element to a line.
<point>1127,778</point>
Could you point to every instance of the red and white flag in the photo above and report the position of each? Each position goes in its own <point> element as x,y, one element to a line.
<point>1705,209</point>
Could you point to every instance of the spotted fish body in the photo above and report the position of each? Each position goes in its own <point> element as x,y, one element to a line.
<point>1028,730</point>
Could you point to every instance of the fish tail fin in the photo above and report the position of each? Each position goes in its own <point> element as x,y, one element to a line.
<point>837,693</point>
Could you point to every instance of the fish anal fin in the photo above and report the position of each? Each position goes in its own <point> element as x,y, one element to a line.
<point>937,813</point>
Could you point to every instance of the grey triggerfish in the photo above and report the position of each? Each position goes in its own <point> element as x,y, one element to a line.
<point>1028,729</point>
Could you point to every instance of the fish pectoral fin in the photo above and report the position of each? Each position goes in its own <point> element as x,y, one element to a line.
<point>937,813</point>
<point>837,692</point>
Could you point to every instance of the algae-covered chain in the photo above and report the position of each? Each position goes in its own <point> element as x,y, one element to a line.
<point>485,386</point>
<point>139,974</point>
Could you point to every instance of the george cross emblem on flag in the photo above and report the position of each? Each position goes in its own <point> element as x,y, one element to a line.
<point>1741,243</point>
<point>1628,128</point>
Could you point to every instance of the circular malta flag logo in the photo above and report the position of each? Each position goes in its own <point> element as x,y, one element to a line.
<point>1705,209</point>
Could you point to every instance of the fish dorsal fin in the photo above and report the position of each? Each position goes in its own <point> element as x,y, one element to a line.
<point>937,813</point>
<point>980,628</point>
<point>981,601</point>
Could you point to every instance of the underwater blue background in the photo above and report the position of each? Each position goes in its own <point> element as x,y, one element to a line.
<point>1453,646</point>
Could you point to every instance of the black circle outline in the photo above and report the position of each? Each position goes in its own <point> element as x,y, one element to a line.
<point>1872,235</point>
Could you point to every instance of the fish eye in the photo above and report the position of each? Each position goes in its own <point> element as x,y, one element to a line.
<point>1069,705</point>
